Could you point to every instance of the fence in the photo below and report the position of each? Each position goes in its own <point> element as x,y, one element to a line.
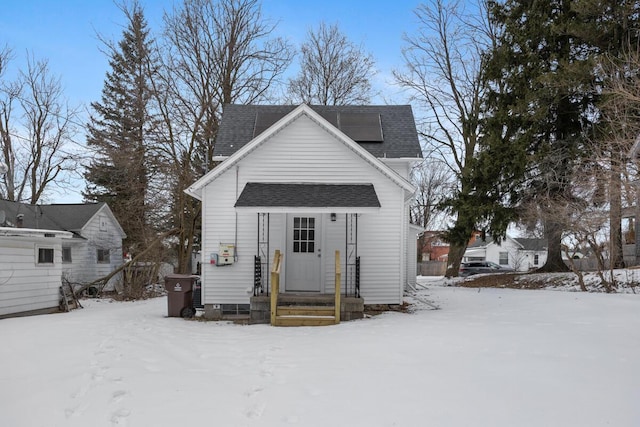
<point>432,268</point>
<point>591,263</point>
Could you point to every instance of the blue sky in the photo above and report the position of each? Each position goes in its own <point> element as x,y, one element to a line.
<point>65,32</point>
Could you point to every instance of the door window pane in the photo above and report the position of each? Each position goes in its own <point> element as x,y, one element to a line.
<point>303,235</point>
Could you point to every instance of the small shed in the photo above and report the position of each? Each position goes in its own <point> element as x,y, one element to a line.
<point>30,270</point>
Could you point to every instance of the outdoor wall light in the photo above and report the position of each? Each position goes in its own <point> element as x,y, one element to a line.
<point>333,217</point>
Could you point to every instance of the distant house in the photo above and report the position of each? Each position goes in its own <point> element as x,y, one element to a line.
<point>95,247</point>
<point>432,247</point>
<point>30,270</point>
<point>521,254</point>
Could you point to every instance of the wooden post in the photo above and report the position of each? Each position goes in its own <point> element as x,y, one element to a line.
<point>337,295</point>
<point>275,284</point>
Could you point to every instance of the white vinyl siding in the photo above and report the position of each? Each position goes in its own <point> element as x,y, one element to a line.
<point>100,232</point>
<point>402,168</point>
<point>304,152</point>
<point>24,286</point>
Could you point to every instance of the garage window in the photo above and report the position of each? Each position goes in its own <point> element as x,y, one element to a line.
<point>103,256</point>
<point>45,255</point>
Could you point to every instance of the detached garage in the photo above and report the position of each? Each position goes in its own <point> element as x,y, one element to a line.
<point>30,270</point>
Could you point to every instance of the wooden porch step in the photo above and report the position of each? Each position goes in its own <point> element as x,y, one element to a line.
<point>305,315</point>
<point>305,310</point>
<point>306,299</point>
<point>304,321</point>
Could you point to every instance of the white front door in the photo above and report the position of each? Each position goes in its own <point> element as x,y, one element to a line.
<point>303,261</point>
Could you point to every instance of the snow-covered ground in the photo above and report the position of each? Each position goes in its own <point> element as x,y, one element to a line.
<point>489,357</point>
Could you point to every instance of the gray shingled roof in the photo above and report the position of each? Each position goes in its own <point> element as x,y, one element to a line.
<point>398,127</point>
<point>67,217</point>
<point>479,243</point>
<point>532,244</point>
<point>308,195</point>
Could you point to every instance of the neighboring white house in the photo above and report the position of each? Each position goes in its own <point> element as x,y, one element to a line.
<point>30,270</point>
<point>521,254</point>
<point>95,249</point>
<point>309,180</point>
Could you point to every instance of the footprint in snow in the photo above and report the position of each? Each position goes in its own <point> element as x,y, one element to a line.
<point>254,390</point>
<point>256,411</point>
<point>119,418</point>
<point>117,396</point>
<point>75,411</point>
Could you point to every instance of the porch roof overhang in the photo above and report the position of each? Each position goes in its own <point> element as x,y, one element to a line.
<point>308,197</point>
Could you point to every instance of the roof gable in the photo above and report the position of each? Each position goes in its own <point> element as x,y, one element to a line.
<point>302,110</point>
<point>385,131</point>
<point>534,244</point>
<point>67,217</point>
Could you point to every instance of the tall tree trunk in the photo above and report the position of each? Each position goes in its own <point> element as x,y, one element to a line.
<point>615,212</point>
<point>553,234</point>
<point>456,252</point>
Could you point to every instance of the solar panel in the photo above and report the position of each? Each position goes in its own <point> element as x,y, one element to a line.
<point>264,121</point>
<point>331,117</point>
<point>362,127</point>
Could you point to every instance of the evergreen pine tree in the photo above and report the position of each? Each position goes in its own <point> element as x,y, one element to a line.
<point>118,174</point>
<point>537,115</point>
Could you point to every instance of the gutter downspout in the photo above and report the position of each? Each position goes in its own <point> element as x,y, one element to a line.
<point>235,242</point>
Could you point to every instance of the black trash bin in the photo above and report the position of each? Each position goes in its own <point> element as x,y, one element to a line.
<point>180,298</point>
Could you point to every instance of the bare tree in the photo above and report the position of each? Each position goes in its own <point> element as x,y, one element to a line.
<point>215,53</point>
<point>41,158</point>
<point>582,215</point>
<point>444,74</point>
<point>9,91</point>
<point>49,122</point>
<point>333,70</point>
<point>620,116</point>
<point>433,180</point>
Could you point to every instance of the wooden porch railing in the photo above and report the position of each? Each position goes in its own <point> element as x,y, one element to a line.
<point>337,290</point>
<point>275,284</point>
<point>303,315</point>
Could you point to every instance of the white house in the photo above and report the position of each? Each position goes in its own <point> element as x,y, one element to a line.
<point>521,254</point>
<point>309,181</point>
<point>30,270</point>
<point>95,248</point>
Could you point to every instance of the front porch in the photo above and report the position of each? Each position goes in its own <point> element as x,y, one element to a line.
<point>307,309</point>
<point>316,307</point>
